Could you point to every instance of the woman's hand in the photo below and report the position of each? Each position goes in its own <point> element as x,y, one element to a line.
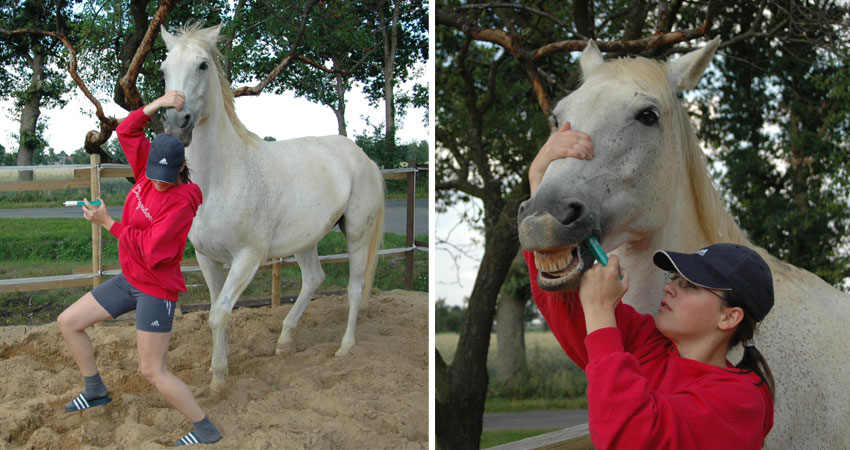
<point>600,291</point>
<point>564,143</point>
<point>98,214</point>
<point>171,99</point>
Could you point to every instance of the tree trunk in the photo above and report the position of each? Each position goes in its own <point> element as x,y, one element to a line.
<point>339,111</point>
<point>461,388</point>
<point>138,11</point>
<point>510,334</point>
<point>28,132</point>
<point>390,37</point>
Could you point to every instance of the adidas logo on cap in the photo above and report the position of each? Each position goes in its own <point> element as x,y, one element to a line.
<point>163,162</point>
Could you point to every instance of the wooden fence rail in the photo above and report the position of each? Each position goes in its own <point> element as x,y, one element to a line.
<point>90,176</point>
<point>572,438</point>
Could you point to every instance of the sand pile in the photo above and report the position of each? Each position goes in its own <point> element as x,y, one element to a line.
<point>376,397</point>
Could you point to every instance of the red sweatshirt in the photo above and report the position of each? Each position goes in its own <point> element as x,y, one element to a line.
<point>154,225</point>
<point>642,395</point>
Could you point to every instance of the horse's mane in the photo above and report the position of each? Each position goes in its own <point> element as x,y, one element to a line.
<point>193,33</point>
<point>651,76</point>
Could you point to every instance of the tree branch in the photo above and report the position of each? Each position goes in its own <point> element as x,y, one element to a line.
<point>286,61</point>
<point>582,18</point>
<point>466,25</point>
<point>107,124</point>
<point>634,46</point>
<point>128,81</point>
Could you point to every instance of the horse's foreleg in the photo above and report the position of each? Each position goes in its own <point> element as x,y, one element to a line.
<point>213,275</point>
<point>242,270</point>
<point>312,276</point>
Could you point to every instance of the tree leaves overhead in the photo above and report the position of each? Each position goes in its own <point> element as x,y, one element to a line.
<point>779,125</point>
<point>338,36</point>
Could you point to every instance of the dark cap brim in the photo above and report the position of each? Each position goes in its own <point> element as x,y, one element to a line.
<point>162,173</point>
<point>694,268</point>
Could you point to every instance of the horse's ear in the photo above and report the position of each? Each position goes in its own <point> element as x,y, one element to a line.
<point>169,38</point>
<point>684,73</point>
<point>211,34</point>
<point>591,57</point>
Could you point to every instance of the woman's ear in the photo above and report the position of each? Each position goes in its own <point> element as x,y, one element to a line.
<point>730,318</point>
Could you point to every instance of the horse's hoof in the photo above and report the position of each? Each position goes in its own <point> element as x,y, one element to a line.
<point>343,351</point>
<point>217,384</point>
<point>285,348</point>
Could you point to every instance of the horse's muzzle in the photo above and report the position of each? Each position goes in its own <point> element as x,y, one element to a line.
<point>557,233</point>
<point>180,124</point>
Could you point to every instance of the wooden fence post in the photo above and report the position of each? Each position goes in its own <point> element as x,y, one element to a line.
<point>408,241</point>
<point>276,284</point>
<point>96,236</point>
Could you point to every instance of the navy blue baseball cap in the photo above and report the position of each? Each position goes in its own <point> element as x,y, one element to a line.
<point>166,158</point>
<point>725,267</point>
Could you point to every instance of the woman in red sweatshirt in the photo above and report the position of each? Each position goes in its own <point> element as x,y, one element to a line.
<point>155,222</point>
<point>665,382</point>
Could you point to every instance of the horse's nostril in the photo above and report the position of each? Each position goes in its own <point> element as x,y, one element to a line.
<point>185,121</point>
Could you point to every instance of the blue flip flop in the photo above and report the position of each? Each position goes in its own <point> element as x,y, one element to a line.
<point>81,402</point>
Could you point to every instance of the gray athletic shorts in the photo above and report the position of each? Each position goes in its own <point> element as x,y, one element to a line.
<point>118,296</point>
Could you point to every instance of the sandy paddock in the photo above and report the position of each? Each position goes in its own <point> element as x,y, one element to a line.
<point>377,397</point>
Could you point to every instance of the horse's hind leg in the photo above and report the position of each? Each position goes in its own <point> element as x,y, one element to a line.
<point>242,270</point>
<point>312,276</point>
<point>362,237</point>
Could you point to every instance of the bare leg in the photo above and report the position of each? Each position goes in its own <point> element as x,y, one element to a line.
<point>152,350</point>
<point>72,323</point>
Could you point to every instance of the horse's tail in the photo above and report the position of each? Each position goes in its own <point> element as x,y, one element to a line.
<point>374,246</point>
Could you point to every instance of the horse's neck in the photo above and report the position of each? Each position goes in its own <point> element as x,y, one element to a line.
<point>215,149</point>
<point>681,233</point>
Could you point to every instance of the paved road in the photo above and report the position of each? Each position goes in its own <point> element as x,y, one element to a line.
<point>535,419</point>
<point>395,217</point>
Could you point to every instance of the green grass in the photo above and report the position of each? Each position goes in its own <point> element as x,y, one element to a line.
<point>498,437</point>
<point>112,190</point>
<point>45,247</point>
<point>549,380</point>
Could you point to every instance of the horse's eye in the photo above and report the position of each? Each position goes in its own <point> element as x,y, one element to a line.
<point>647,117</point>
<point>204,66</point>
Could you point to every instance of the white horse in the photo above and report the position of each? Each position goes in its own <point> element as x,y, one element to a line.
<point>266,199</point>
<point>647,188</point>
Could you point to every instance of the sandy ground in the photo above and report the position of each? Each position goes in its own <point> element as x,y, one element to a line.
<point>374,398</point>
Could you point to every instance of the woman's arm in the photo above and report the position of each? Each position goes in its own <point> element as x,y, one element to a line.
<point>131,131</point>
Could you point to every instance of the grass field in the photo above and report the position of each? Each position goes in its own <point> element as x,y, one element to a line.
<point>550,380</point>
<point>44,247</point>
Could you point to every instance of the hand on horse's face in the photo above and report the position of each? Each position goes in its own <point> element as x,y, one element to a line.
<point>564,143</point>
<point>172,99</point>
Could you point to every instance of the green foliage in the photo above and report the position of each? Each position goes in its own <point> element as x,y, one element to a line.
<point>775,110</point>
<point>447,318</point>
<point>493,438</point>
<point>372,144</point>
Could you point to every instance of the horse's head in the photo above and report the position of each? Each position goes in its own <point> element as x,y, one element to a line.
<point>190,67</point>
<point>639,130</point>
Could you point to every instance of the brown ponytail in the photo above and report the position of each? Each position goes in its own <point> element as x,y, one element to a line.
<point>184,174</point>
<point>753,361</point>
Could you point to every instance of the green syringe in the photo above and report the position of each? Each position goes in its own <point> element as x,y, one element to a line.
<point>81,203</point>
<point>597,251</point>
